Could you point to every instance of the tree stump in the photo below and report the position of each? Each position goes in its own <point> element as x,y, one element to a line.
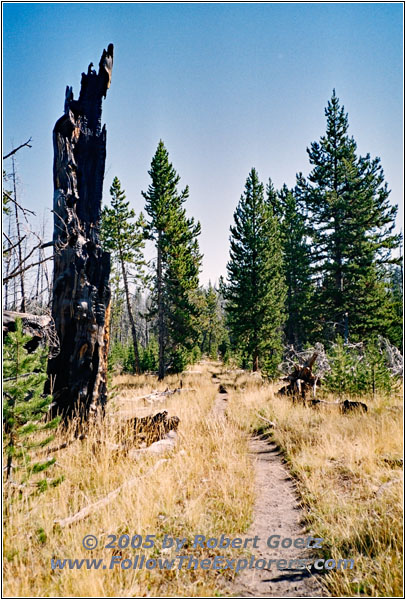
<point>301,380</point>
<point>81,292</point>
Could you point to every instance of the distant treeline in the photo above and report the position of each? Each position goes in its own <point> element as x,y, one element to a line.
<point>306,264</point>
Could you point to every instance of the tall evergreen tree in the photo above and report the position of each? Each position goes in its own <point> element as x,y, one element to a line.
<point>177,264</point>
<point>296,264</point>
<point>351,223</point>
<point>125,239</point>
<point>212,324</point>
<point>255,292</point>
<point>395,289</point>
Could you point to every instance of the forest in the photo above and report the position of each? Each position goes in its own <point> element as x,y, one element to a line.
<point>113,306</point>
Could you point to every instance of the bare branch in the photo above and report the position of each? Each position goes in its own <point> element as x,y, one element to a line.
<point>15,274</point>
<point>27,143</point>
<point>12,246</point>
<point>46,245</point>
<point>24,210</point>
<point>26,257</point>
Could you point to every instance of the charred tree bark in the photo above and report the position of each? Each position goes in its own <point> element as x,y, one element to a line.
<point>81,292</point>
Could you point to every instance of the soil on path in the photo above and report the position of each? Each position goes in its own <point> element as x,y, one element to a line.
<point>276,512</point>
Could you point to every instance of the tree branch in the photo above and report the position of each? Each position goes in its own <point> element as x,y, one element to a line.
<point>12,246</point>
<point>27,143</point>
<point>15,274</point>
<point>25,210</point>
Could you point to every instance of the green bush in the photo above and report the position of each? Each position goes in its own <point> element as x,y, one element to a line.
<point>149,356</point>
<point>195,354</point>
<point>25,405</point>
<point>357,370</point>
<point>180,359</point>
<point>117,356</point>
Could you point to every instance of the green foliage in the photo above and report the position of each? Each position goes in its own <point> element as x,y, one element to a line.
<point>351,224</point>
<point>150,356</point>
<point>120,234</point>
<point>357,369</point>
<point>122,357</point>
<point>117,356</point>
<point>24,404</point>
<point>6,195</point>
<point>177,265</point>
<point>344,373</point>
<point>395,291</point>
<point>179,359</point>
<point>255,293</point>
<point>300,324</point>
<point>212,327</point>
<point>125,239</point>
<point>195,355</point>
<point>129,360</point>
<point>374,375</point>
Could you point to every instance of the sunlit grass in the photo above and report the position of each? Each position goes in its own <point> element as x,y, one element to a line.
<point>349,474</point>
<point>205,487</point>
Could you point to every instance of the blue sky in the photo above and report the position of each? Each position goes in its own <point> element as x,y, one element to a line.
<point>226,86</point>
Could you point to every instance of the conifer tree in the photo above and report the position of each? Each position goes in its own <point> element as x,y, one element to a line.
<point>24,404</point>
<point>125,239</point>
<point>255,292</point>
<point>211,322</point>
<point>395,287</point>
<point>177,264</point>
<point>296,264</point>
<point>351,224</point>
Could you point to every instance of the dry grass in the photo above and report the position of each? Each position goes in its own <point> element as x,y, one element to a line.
<point>347,468</point>
<point>205,487</point>
<point>349,476</point>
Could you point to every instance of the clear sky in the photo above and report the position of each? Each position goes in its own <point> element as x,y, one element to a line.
<point>226,86</point>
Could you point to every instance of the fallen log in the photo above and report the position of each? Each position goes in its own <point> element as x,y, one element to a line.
<point>91,508</point>
<point>348,406</point>
<point>148,429</point>
<point>40,327</point>
<point>270,423</point>
<point>166,444</point>
<point>158,396</point>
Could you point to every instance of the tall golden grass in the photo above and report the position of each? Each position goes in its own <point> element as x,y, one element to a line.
<point>347,468</point>
<point>205,487</point>
<point>349,474</point>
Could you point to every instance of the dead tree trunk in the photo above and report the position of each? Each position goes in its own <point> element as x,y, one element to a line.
<point>301,380</point>
<point>81,292</point>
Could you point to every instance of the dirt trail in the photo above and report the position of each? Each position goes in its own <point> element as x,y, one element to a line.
<point>276,512</point>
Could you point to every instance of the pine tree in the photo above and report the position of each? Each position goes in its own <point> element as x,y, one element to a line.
<point>212,325</point>
<point>296,265</point>
<point>24,404</point>
<point>351,224</point>
<point>395,290</point>
<point>255,292</point>
<point>125,239</point>
<point>177,265</point>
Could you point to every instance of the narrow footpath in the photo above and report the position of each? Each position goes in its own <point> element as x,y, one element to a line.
<point>276,512</point>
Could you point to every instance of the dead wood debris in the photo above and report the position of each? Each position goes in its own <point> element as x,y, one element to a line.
<point>301,380</point>
<point>94,506</point>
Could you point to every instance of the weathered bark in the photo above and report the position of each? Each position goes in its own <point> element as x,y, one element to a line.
<point>19,240</point>
<point>81,292</point>
<point>161,324</point>
<point>39,327</point>
<point>130,316</point>
<point>302,380</point>
<point>255,361</point>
